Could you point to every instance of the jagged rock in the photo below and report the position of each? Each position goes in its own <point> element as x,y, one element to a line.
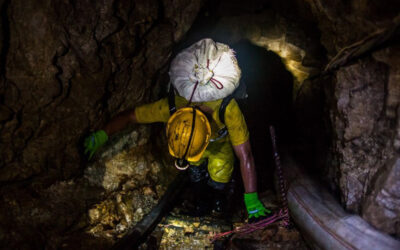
<point>343,23</point>
<point>121,159</point>
<point>362,133</point>
<point>364,112</point>
<point>63,61</point>
<point>133,180</point>
<point>114,216</point>
<point>382,206</point>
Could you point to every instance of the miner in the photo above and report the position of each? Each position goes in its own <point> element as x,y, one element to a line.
<point>205,127</point>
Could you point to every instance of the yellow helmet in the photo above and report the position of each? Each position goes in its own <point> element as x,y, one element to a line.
<point>188,133</point>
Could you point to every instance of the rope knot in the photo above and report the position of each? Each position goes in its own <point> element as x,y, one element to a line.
<point>201,74</point>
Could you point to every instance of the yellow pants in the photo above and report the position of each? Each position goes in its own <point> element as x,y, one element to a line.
<point>220,160</point>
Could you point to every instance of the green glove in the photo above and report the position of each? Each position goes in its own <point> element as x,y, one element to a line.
<point>94,141</point>
<point>254,206</point>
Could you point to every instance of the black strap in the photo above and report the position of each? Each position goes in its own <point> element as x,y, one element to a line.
<point>221,113</point>
<point>171,100</point>
<point>191,133</point>
<point>223,106</point>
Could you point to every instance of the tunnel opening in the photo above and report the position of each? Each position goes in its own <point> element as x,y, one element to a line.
<point>269,88</point>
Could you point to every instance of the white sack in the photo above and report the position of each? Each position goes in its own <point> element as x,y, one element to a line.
<point>190,66</point>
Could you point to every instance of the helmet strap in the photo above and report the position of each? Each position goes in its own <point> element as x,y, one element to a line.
<point>191,133</point>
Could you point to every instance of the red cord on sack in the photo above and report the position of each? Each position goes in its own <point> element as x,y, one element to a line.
<point>213,80</point>
<point>194,89</point>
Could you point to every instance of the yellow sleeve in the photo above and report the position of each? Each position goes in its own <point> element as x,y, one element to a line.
<point>153,112</point>
<point>235,123</point>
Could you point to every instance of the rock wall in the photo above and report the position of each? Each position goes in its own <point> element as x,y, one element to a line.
<point>133,178</point>
<point>363,109</point>
<point>66,67</point>
<point>353,109</point>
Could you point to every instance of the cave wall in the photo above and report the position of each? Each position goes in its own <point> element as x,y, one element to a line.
<point>66,67</point>
<point>362,104</point>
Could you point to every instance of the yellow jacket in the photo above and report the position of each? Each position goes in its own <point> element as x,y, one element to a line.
<point>234,121</point>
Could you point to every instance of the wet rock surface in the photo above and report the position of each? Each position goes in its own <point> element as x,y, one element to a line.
<point>361,129</point>
<point>382,206</point>
<point>122,184</point>
<point>179,231</point>
<point>68,66</point>
<point>133,181</point>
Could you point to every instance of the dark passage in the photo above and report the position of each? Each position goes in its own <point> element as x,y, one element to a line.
<point>269,87</point>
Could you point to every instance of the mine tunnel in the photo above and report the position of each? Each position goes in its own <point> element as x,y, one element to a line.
<point>324,74</point>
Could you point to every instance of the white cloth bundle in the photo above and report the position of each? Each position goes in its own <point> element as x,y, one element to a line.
<point>206,71</point>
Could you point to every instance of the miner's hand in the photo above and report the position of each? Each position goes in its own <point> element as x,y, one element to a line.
<point>255,208</point>
<point>94,141</point>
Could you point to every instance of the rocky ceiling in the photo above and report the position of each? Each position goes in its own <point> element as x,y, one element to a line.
<point>68,66</point>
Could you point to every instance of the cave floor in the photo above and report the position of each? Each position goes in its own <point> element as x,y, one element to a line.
<point>180,231</point>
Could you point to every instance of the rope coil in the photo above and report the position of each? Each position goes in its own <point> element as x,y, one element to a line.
<point>249,228</point>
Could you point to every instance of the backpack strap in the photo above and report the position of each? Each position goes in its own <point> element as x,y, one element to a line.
<point>171,100</point>
<point>222,108</point>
